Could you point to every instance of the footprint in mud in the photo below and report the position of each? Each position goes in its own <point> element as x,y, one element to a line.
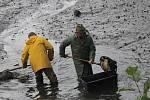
<point>59,5</point>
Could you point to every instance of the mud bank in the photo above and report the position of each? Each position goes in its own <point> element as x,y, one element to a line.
<point>122,24</point>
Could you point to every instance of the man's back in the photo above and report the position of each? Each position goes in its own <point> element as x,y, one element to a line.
<point>36,48</point>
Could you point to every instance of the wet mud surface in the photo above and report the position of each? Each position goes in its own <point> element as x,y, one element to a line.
<point>120,29</point>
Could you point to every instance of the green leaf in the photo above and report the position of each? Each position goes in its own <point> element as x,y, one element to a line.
<point>145,98</point>
<point>126,89</point>
<point>131,70</point>
<point>138,98</point>
<point>134,73</point>
<point>146,86</point>
<point>137,76</point>
<point>142,98</point>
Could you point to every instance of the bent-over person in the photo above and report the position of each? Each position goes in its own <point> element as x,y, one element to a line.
<point>40,52</point>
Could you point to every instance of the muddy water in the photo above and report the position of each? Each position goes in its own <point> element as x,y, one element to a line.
<point>64,68</point>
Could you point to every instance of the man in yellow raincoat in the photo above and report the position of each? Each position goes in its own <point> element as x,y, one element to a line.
<point>40,53</point>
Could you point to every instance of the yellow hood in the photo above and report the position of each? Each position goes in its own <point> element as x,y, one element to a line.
<point>31,40</point>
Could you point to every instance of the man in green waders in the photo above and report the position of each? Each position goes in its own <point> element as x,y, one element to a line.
<point>82,47</point>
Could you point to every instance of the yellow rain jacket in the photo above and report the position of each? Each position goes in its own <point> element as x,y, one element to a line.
<point>36,50</point>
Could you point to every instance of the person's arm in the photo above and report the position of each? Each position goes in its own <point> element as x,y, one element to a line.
<point>92,50</point>
<point>47,44</point>
<point>50,49</point>
<point>24,57</point>
<point>63,46</point>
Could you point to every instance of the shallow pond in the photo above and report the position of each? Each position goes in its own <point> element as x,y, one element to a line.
<point>67,77</point>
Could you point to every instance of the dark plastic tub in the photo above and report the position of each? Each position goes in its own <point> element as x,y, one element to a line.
<point>100,82</point>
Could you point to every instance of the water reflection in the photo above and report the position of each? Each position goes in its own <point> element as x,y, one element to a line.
<point>45,92</point>
<point>99,95</point>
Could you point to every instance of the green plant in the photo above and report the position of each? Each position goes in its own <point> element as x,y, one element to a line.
<point>135,74</point>
<point>126,89</point>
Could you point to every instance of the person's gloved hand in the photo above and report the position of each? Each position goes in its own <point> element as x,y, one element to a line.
<point>91,61</point>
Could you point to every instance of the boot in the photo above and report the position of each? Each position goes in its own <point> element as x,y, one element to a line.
<point>54,84</point>
<point>41,90</point>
